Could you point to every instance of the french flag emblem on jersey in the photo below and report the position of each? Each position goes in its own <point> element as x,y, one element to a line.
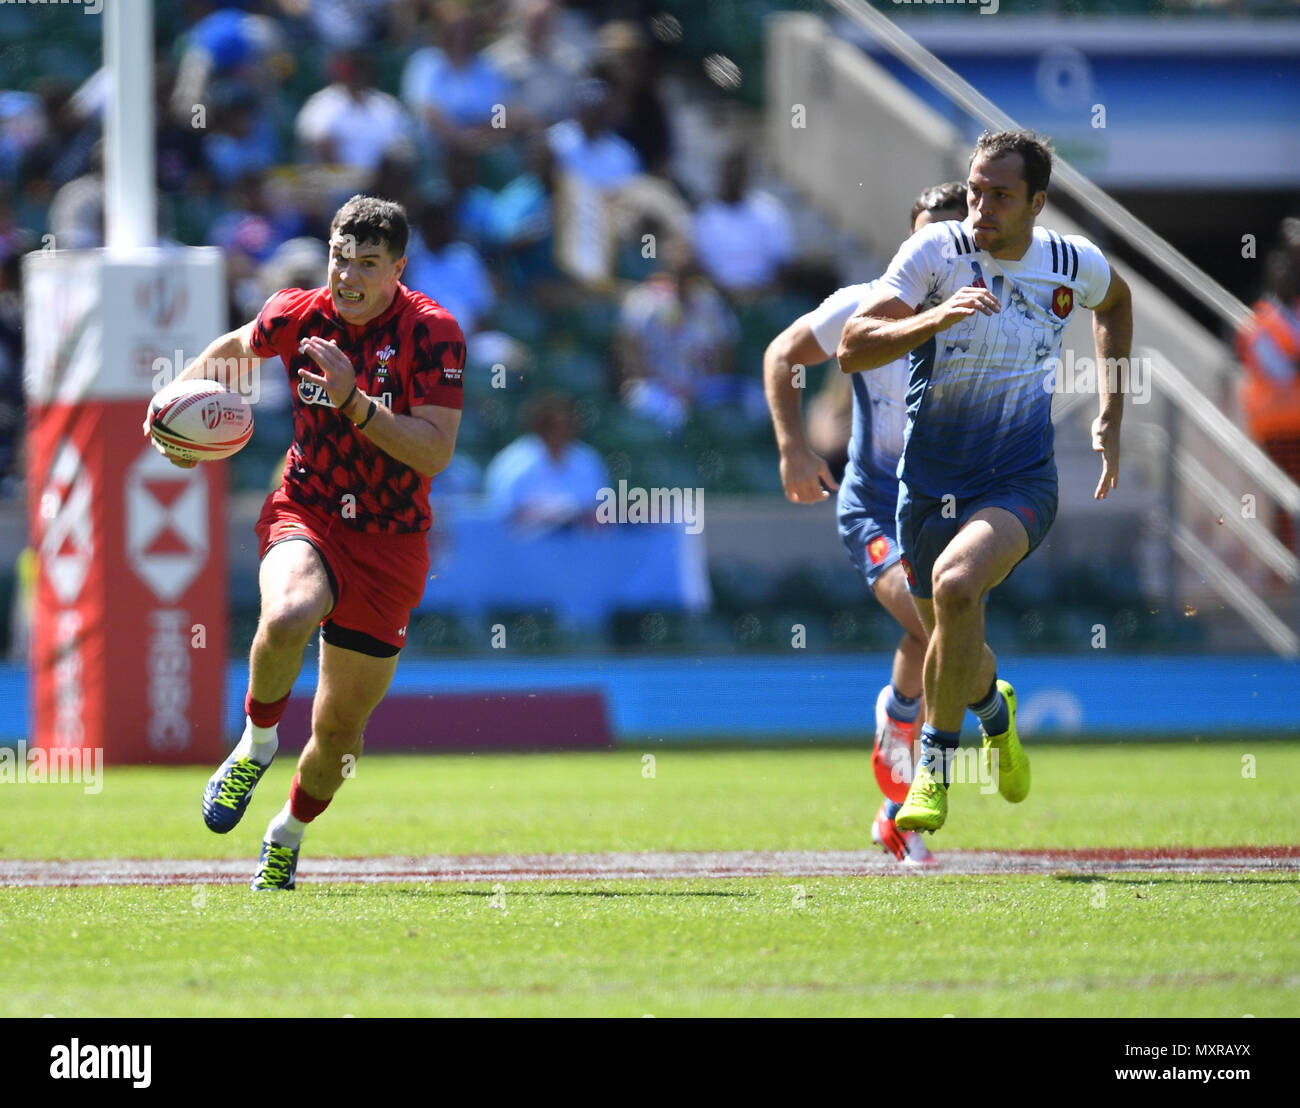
<point>1062,301</point>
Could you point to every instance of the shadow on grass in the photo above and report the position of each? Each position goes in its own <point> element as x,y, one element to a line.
<point>511,890</point>
<point>1250,878</point>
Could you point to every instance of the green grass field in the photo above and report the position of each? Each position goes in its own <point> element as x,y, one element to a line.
<point>1048,945</point>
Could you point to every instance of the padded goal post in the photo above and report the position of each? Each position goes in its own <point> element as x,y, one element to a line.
<point>129,606</point>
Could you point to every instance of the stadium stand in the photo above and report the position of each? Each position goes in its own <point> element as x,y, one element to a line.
<point>247,181</point>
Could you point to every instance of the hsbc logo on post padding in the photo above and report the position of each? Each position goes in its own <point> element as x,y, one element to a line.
<point>166,524</point>
<point>67,536</point>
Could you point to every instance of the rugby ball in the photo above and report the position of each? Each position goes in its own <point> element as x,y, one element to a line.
<point>200,421</point>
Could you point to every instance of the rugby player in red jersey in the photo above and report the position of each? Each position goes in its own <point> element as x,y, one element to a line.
<point>377,370</point>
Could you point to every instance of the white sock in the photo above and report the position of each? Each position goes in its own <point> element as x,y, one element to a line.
<point>286,829</point>
<point>258,743</point>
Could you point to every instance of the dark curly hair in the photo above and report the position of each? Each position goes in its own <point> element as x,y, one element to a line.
<point>369,219</point>
<point>1035,152</point>
<point>950,196</point>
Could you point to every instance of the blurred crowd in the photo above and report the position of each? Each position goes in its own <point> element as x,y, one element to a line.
<point>552,159</point>
<point>500,126</point>
<point>1269,346</point>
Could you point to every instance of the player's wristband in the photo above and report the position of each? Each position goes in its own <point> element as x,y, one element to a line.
<point>369,416</point>
<point>344,406</point>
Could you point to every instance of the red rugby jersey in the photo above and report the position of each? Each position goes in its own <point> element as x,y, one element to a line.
<point>413,354</point>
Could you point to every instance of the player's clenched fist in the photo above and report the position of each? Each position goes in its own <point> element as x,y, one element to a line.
<point>802,475</point>
<point>966,302</point>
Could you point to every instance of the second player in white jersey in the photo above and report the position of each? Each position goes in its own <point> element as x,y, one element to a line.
<point>867,500</point>
<point>879,406</point>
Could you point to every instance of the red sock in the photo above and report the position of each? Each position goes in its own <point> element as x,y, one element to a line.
<point>302,806</point>
<point>264,713</point>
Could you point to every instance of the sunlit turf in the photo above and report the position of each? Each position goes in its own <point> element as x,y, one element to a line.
<point>1150,945</point>
<point>1132,794</point>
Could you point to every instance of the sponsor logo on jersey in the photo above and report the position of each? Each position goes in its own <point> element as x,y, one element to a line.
<point>311,393</point>
<point>878,549</point>
<point>451,373</point>
<point>1062,301</point>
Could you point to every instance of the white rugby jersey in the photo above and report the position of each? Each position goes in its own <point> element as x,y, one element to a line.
<point>879,409</point>
<point>979,399</point>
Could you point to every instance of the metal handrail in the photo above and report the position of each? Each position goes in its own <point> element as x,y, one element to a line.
<point>1235,591</point>
<point>1113,214</point>
<point>1195,476</point>
<point>1226,435</point>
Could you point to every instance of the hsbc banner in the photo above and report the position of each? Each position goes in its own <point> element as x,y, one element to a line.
<point>129,620</point>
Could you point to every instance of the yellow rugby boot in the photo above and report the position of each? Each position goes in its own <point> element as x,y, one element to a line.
<point>926,806</point>
<point>1013,762</point>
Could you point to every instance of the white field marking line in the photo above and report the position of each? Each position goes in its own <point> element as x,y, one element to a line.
<point>476,868</point>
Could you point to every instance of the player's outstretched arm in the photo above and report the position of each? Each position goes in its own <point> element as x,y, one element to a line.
<point>802,470</point>
<point>884,328</point>
<point>230,359</point>
<point>1112,333</point>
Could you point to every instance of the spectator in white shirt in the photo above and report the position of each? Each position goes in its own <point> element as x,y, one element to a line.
<point>455,92</point>
<point>586,147</point>
<point>547,479</point>
<point>543,69</point>
<point>744,237</point>
<point>677,343</point>
<point>350,122</point>
<point>450,272</point>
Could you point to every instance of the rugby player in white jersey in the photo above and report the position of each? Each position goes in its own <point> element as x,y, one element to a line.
<point>981,306</point>
<point>866,502</point>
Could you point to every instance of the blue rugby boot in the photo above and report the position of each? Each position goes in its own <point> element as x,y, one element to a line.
<point>228,792</point>
<point>276,867</point>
